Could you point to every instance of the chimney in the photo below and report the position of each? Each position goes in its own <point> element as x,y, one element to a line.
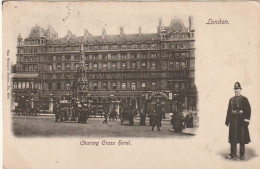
<point>160,22</point>
<point>86,33</point>
<point>121,30</point>
<point>160,25</point>
<point>103,33</point>
<point>190,22</point>
<point>140,30</point>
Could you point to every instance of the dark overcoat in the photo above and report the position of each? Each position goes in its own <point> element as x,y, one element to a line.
<point>238,116</point>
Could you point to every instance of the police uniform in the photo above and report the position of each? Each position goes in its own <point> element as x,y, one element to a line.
<point>237,118</point>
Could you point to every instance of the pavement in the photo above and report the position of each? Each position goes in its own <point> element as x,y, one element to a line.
<point>44,125</point>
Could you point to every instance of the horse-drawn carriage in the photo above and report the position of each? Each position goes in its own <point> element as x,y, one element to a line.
<point>129,115</point>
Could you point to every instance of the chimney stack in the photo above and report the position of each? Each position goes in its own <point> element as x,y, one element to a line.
<point>140,30</point>
<point>190,22</point>
<point>103,32</point>
<point>121,30</point>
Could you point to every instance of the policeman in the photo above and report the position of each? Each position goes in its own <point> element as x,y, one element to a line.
<point>237,119</point>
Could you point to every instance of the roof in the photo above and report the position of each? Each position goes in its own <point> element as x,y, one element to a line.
<point>25,75</point>
<point>107,39</point>
<point>176,26</point>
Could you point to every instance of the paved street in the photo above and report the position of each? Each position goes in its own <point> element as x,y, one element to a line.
<point>27,126</point>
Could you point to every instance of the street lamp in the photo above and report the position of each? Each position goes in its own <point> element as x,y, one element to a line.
<point>51,103</point>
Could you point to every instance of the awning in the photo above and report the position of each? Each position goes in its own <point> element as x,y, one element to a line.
<point>25,75</point>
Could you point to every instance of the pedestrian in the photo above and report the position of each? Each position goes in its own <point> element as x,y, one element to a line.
<point>142,118</point>
<point>131,117</point>
<point>237,119</point>
<point>106,116</point>
<point>177,121</point>
<point>55,111</point>
<point>155,120</point>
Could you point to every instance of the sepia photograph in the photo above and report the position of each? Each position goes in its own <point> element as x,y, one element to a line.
<point>99,85</point>
<point>130,85</point>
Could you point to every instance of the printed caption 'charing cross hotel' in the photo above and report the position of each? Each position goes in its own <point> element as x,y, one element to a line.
<point>123,69</point>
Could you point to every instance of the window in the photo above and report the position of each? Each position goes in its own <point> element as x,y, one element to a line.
<point>143,56</point>
<point>30,67</point>
<point>95,57</point>
<point>105,47</point>
<point>67,57</point>
<point>58,85</point>
<point>50,58</point>
<point>143,85</point>
<point>133,86</point>
<point>183,54</point>
<point>153,45</point>
<point>123,85</point>
<point>182,85</point>
<point>67,66</point>
<point>25,67</point>
<point>177,65</point>
<point>183,64</point>
<point>95,86</point>
<point>67,75</point>
<point>153,85</point>
<point>68,86</point>
<point>176,85</point>
<point>170,64</point>
<point>124,46</point>
<point>76,58</point>
<point>95,66</point>
<point>50,67</point>
<point>123,65</point>
<point>104,57</point>
<point>143,64</point>
<point>104,66</point>
<point>144,46</point>
<point>153,55</point>
<point>104,85</point>
<point>114,65</point>
<point>177,54</point>
<point>49,76</point>
<point>134,56</point>
<point>113,56</point>
<point>58,58</point>
<point>58,76</point>
<point>15,85</point>
<point>123,56</point>
<point>153,65</point>
<point>133,65</point>
<point>49,86</point>
<point>59,66</point>
<point>76,66</point>
<point>86,65</point>
<point>114,85</point>
<point>87,57</point>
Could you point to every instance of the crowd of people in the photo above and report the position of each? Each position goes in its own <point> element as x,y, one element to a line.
<point>82,112</point>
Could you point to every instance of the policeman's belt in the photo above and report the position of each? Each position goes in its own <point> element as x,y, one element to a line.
<point>237,111</point>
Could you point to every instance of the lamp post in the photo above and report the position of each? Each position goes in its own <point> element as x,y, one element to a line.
<point>51,103</point>
<point>32,105</point>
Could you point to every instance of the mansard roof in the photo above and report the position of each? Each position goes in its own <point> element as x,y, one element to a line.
<point>38,31</point>
<point>124,38</point>
<point>176,26</point>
